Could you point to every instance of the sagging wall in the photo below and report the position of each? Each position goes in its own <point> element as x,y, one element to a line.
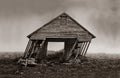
<point>72,49</point>
<point>68,46</point>
<point>42,51</point>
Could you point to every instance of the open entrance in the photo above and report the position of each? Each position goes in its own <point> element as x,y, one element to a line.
<point>54,47</point>
<point>55,50</point>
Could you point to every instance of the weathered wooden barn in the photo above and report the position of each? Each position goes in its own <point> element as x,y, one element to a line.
<point>61,29</point>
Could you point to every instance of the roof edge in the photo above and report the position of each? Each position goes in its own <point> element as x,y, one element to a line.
<point>93,36</point>
<point>44,25</point>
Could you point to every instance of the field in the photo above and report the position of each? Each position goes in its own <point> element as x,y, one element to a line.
<point>96,66</point>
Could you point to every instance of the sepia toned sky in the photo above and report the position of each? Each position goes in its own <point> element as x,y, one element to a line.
<point>18,18</point>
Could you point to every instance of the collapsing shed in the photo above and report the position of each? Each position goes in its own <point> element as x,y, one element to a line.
<point>61,29</point>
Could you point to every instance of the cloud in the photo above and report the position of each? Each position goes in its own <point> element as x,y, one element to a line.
<point>18,18</point>
<point>13,7</point>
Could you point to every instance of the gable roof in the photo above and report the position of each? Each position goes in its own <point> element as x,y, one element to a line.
<point>63,14</point>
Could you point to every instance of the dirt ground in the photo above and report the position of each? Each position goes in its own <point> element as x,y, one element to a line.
<point>93,68</point>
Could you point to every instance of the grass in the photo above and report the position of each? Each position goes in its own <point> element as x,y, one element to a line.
<point>92,68</point>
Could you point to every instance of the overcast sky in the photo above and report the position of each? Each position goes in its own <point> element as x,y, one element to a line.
<point>18,18</point>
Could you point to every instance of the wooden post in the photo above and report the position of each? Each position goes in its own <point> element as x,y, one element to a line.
<point>27,49</point>
<point>33,49</point>
<point>38,55</point>
<point>78,49</point>
<point>44,51</point>
<point>82,46</point>
<point>73,47</point>
<point>86,48</point>
<point>38,50</point>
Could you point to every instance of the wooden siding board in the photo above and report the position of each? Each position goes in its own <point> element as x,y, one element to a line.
<point>55,27</point>
<point>44,36</point>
